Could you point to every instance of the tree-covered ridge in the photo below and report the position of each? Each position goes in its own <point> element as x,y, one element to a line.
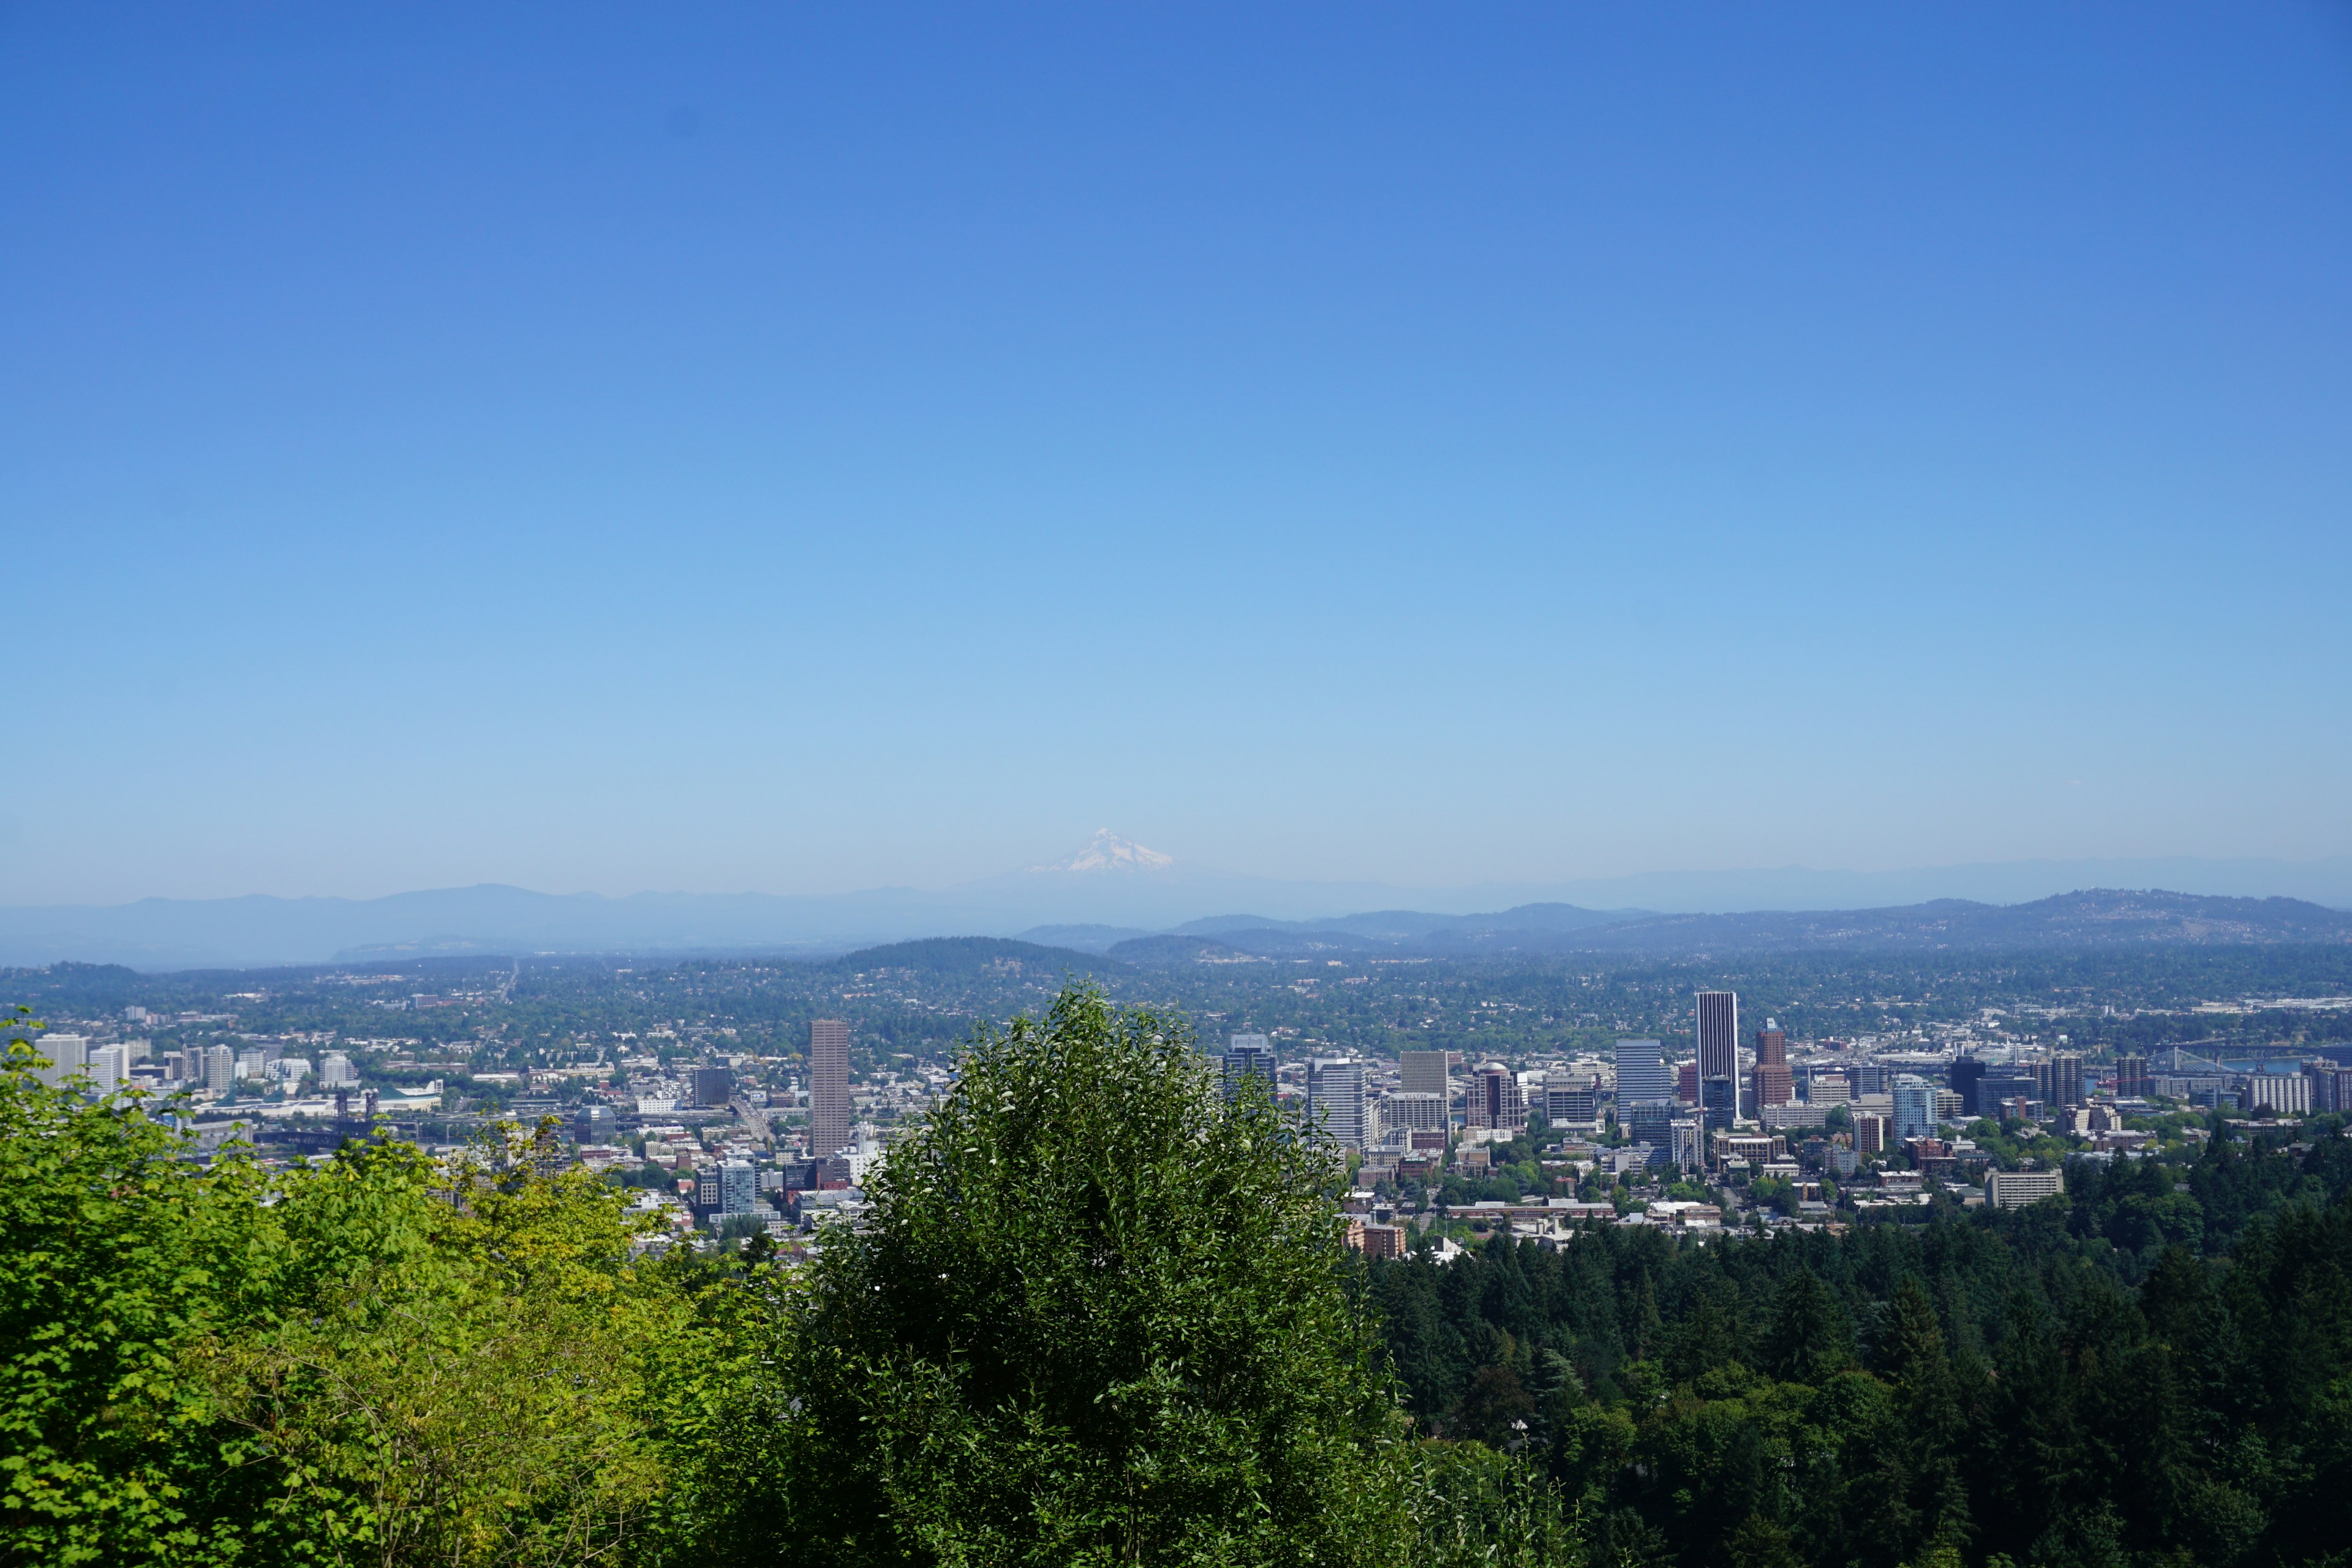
<point>2137,1375</point>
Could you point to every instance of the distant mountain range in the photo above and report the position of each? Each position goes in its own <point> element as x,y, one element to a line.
<point>2094,918</point>
<point>1113,892</point>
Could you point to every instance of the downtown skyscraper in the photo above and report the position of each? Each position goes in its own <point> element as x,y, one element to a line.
<point>1718,1054</point>
<point>829,1058</point>
<point>1247,1056</point>
<point>1642,1077</point>
<point>1334,1100</point>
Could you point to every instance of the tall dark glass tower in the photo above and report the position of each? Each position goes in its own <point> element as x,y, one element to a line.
<point>1719,1040</point>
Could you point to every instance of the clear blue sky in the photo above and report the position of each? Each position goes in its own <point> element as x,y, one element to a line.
<point>805,448</point>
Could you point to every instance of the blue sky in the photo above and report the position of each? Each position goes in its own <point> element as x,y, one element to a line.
<point>801,449</point>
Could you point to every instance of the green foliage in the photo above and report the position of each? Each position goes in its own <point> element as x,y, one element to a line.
<point>1476,1507</point>
<point>2063,1387</point>
<point>112,1254</point>
<point>379,1358</point>
<point>1096,1316</point>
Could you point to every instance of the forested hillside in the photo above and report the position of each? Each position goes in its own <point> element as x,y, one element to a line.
<point>2137,1375</point>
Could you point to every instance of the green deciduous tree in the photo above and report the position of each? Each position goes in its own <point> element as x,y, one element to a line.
<point>1097,1316</point>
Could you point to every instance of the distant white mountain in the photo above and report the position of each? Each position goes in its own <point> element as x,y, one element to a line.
<point>1106,851</point>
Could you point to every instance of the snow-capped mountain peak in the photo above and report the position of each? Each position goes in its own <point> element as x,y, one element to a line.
<point>1106,851</point>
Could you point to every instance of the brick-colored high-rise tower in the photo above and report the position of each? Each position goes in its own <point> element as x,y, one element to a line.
<point>828,1087</point>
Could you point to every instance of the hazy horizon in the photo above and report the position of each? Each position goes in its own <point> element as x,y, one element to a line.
<point>2325,880</point>
<point>827,450</point>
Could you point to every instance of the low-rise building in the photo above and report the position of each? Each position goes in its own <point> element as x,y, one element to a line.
<point>2016,1189</point>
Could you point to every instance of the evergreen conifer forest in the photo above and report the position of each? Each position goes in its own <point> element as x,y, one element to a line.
<point>1098,1315</point>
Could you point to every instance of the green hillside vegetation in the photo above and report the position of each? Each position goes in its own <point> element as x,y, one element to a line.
<point>1098,1316</point>
<point>2138,1375</point>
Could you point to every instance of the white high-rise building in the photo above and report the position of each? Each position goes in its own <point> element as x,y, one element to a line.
<point>337,1072</point>
<point>1335,1100</point>
<point>67,1054</point>
<point>110,1069</point>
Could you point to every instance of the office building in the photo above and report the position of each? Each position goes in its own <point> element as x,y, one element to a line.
<point>220,1069</point>
<point>1773,1083</point>
<point>1685,1145</point>
<point>1334,1100</point>
<point>1869,1132</point>
<point>1652,1121</point>
<point>1914,1107</point>
<point>593,1125</point>
<point>1246,1057</point>
<point>67,1054</point>
<point>2066,1080</point>
<point>1425,1072</point>
<point>2288,1094</point>
<point>2001,1086</point>
<point>2131,1078</point>
<point>1641,1074</point>
<point>738,1187</point>
<point>1572,1100</point>
<point>1718,1038</point>
<point>335,1071</point>
<point>109,1067</point>
<point>1964,1076</point>
<point>1828,1085</point>
<point>2329,1083</point>
<point>828,1087</point>
<point>1493,1098</point>
<point>1413,1111</point>
<point>713,1087</point>
<point>2016,1189</point>
<point>1718,1103</point>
